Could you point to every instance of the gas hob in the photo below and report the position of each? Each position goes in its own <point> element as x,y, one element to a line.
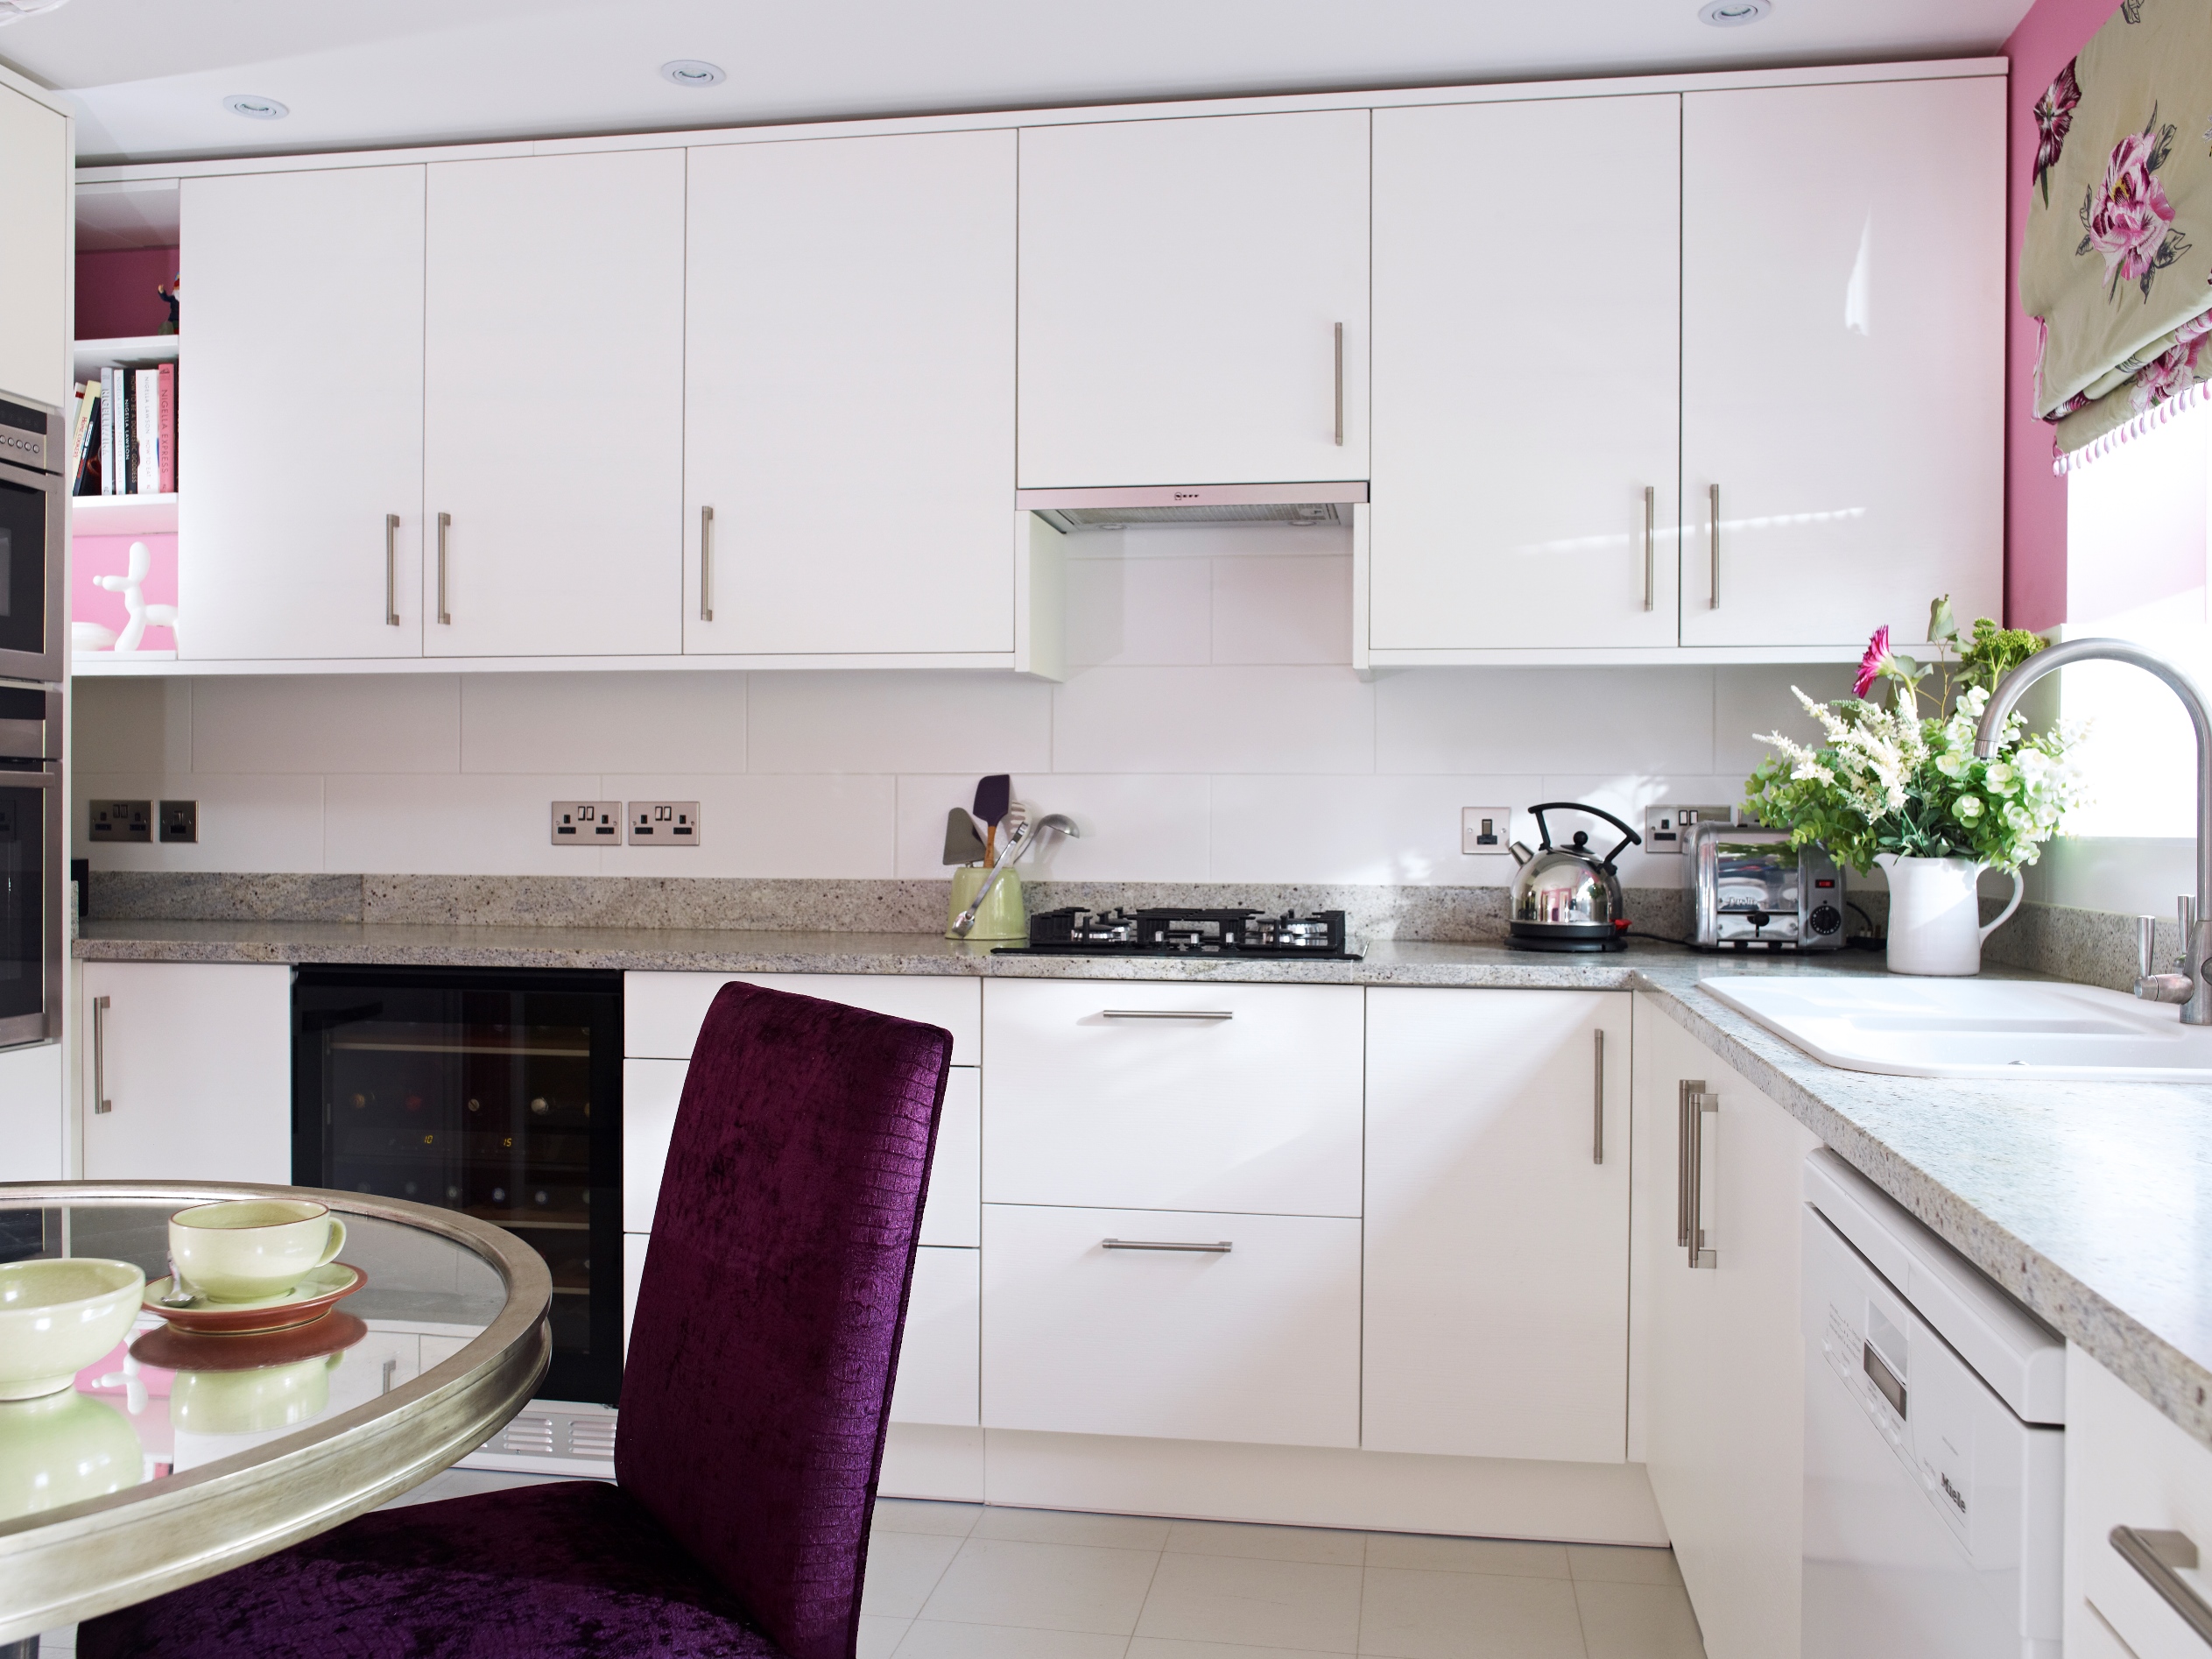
<point>1077,932</point>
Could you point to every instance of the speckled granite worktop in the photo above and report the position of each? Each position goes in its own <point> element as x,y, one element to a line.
<point>2091,1202</point>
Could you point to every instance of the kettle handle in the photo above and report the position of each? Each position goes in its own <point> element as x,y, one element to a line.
<point>1594,812</point>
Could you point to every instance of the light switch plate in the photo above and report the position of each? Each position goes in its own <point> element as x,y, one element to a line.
<point>1484,830</point>
<point>1668,827</point>
<point>121,820</point>
<point>664,823</point>
<point>587,824</point>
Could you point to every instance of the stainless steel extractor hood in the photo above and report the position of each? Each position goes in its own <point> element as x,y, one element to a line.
<point>1112,509</point>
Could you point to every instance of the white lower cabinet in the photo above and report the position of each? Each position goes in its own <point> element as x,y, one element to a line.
<point>184,1071</point>
<point>939,1356</point>
<point>1721,1357</point>
<point>1497,1223</point>
<point>2127,1465</point>
<point>1183,1324</point>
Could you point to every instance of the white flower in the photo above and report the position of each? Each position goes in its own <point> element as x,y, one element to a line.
<point>1967,808</point>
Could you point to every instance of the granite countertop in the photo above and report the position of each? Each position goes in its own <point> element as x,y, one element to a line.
<point>2091,1202</point>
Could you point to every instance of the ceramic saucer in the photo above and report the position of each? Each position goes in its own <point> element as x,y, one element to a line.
<point>305,1303</point>
<point>173,1350</point>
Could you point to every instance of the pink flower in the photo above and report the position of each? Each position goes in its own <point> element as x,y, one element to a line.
<point>2054,117</point>
<point>2174,369</point>
<point>2129,219</point>
<point>1877,659</point>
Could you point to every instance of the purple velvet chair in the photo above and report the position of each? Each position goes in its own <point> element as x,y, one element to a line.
<point>753,1406</point>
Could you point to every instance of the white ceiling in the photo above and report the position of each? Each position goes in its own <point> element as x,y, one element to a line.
<point>147,76</point>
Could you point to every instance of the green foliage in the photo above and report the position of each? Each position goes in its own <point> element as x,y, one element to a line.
<point>1993,653</point>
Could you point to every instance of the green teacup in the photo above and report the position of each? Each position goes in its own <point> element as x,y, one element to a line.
<point>236,1402</point>
<point>246,1249</point>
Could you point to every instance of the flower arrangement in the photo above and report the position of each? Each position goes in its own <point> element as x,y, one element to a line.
<point>1889,780</point>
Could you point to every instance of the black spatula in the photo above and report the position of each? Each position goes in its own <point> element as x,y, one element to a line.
<point>993,795</point>
<point>962,845</point>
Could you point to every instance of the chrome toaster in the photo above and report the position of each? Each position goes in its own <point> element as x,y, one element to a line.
<point>1755,892</point>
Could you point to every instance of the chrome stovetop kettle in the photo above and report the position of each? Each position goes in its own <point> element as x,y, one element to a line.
<point>1568,898</point>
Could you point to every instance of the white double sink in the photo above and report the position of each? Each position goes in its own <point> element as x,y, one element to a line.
<point>2021,1029</point>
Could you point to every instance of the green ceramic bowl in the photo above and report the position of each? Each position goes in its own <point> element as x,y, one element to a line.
<point>57,1317</point>
<point>62,1450</point>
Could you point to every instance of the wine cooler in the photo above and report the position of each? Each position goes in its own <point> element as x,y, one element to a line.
<point>499,1094</point>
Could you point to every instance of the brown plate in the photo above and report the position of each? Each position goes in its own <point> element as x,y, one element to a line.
<point>174,1350</point>
<point>308,1301</point>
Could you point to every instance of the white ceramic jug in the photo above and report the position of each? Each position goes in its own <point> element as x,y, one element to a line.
<point>1935,915</point>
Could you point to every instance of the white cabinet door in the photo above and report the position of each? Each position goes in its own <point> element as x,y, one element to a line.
<point>1497,1223</point>
<point>303,416</point>
<point>553,405</point>
<point>1256,1342</point>
<point>1182,282</point>
<point>939,1356</point>
<point>1724,1361</point>
<point>1526,376</point>
<point>848,396</point>
<point>1842,359</point>
<point>35,283</point>
<point>193,1064</point>
<point>1174,1096</point>
<point>662,1012</point>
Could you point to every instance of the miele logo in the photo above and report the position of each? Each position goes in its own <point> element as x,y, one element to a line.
<point>1952,1493</point>
<point>1190,494</point>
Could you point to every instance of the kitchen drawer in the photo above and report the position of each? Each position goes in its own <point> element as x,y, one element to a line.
<point>938,1355</point>
<point>1258,1343</point>
<point>1174,1096</point>
<point>662,1012</point>
<point>652,1090</point>
<point>2127,1465</point>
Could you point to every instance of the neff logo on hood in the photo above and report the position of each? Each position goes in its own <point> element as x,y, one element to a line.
<point>1952,1493</point>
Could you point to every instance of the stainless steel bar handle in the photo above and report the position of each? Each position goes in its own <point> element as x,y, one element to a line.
<point>100,1101</point>
<point>1169,1014</point>
<point>445,524</point>
<point>1650,511</point>
<point>1683,1091</point>
<point>1695,1104</point>
<point>1340,386</point>
<point>1597,1101</point>
<point>2156,1555</point>
<point>1220,1247</point>
<point>706,564</point>
<point>1713,509</point>
<point>391,592</point>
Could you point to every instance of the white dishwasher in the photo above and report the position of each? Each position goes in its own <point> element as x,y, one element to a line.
<point>1933,1463</point>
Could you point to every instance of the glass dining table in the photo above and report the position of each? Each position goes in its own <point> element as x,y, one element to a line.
<point>180,1454</point>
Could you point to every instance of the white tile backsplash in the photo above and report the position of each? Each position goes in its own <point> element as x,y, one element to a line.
<point>1211,730</point>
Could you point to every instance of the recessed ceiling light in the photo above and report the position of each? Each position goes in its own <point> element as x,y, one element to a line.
<point>256,108</point>
<point>693,72</point>
<point>1733,14</point>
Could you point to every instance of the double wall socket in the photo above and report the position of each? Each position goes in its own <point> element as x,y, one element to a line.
<point>587,824</point>
<point>114,820</point>
<point>664,823</point>
<point>1484,830</point>
<point>599,823</point>
<point>1668,828</point>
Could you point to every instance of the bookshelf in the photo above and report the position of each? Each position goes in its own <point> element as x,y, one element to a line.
<point>123,515</point>
<point>89,357</point>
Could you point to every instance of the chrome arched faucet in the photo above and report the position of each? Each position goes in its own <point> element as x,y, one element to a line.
<point>2189,987</point>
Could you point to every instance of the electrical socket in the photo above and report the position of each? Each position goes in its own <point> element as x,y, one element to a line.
<point>180,820</point>
<point>664,823</point>
<point>587,824</point>
<point>1484,830</point>
<point>122,820</point>
<point>1669,828</point>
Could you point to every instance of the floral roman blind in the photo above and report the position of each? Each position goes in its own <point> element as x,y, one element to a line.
<point>2116,265</point>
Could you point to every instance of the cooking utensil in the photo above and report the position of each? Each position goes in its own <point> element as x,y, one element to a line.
<point>992,796</point>
<point>1051,823</point>
<point>1568,898</point>
<point>962,845</point>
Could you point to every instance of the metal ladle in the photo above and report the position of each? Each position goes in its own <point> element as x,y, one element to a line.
<point>1057,824</point>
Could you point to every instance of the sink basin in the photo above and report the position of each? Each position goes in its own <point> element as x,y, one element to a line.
<point>1909,1027</point>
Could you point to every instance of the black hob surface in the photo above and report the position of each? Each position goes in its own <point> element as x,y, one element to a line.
<point>1077,932</point>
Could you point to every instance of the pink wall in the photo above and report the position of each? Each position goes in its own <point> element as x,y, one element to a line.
<point>2034,499</point>
<point>116,296</point>
<point>91,556</point>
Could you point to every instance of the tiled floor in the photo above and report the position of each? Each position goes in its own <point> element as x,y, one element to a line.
<point>960,1581</point>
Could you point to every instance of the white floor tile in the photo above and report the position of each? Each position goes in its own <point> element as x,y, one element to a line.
<point>929,1638</point>
<point>914,1515</point>
<point>1639,1621</point>
<point>1622,1564</point>
<point>1061,1526</point>
<point>1160,1647</point>
<point>1283,1604</point>
<point>63,1638</point>
<point>903,1569</point>
<point>1044,1586</point>
<point>1515,1557</point>
<point>1468,1615</point>
<point>879,1637</point>
<point>1267,1543</point>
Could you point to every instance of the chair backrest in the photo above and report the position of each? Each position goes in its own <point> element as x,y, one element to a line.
<point>766,1328</point>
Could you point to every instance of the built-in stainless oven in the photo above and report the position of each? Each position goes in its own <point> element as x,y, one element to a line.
<point>34,504</point>
<point>33,863</point>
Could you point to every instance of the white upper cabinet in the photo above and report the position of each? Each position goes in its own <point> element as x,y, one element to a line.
<point>848,398</point>
<point>1182,284</point>
<point>304,416</point>
<point>553,406</point>
<point>1526,393</point>
<point>34,267</point>
<point>1842,359</point>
